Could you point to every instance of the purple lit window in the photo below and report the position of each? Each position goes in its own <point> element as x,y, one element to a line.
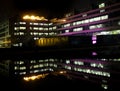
<point>94,38</point>
<point>94,42</point>
<point>94,53</point>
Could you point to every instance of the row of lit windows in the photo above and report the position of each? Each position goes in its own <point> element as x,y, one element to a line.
<point>35,61</point>
<point>98,65</point>
<point>77,29</point>
<point>20,73</point>
<point>38,28</point>
<point>18,44</point>
<point>78,62</point>
<point>108,32</point>
<point>67,61</point>
<point>17,23</point>
<point>19,33</point>
<point>35,71</point>
<point>19,62</point>
<point>19,28</point>
<point>88,20</point>
<point>104,59</point>
<point>35,28</point>
<point>45,34</point>
<point>33,23</point>
<point>43,65</point>
<point>66,25</point>
<point>17,67</point>
<point>38,33</point>
<point>96,26</point>
<point>41,70</point>
<point>90,27</point>
<point>90,71</point>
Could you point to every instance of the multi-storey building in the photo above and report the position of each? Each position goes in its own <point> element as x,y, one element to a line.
<point>22,31</point>
<point>101,71</point>
<point>102,21</point>
<point>97,23</point>
<point>26,68</point>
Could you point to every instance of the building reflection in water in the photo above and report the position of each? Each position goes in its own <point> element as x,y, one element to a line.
<point>104,72</point>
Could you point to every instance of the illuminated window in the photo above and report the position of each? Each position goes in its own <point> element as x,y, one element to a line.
<point>16,68</point>
<point>35,71</point>
<point>46,64</point>
<point>78,63</point>
<point>103,10</point>
<point>99,65</point>
<point>104,17</point>
<point>41,65</point>
<point>21,73</point>
<point>94,39</point>
<point>45,28</point>
<point>41,23</point>
<point>40,33</point>
<point>84,15</point>
<point>96,26</point>
<point>35,23</point>
<point>67,61</point>
<point>41,60</point>
<point>40,28</point>
<point>16,28</point>
<point>54,27</point>
<point>21,62</point>
<point>68,67</point>
<point>21,33</point>
<point>66,31</point>
<point>50,23</point>
<point>45,24</point>
<point>118,22</point>
<point>78,22</point>
<point>35,38</point>
<point>104,86</point>
<point>36,66</point>
<point>52,33</point>
<point>78,29</point>
<point>66,25</point>
<point>32,61</point>
<point>22,22</point>
<point>90,71</point>
<point>74,23</point>
<point>50,28</point>
<point>22,68</point>
<point>22,28</point>
<point>35,28</point>
<point>101,5</point>
<point>86,21</point>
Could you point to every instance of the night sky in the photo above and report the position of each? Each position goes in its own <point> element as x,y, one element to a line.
<point>47,8</point>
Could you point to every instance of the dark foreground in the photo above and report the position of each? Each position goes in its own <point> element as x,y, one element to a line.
<point>50,83</point>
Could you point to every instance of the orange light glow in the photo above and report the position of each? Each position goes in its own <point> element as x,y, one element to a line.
<point>58,20</point>
<point>62,72</point>
<point>34,77</point>
<point>32,17</point>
